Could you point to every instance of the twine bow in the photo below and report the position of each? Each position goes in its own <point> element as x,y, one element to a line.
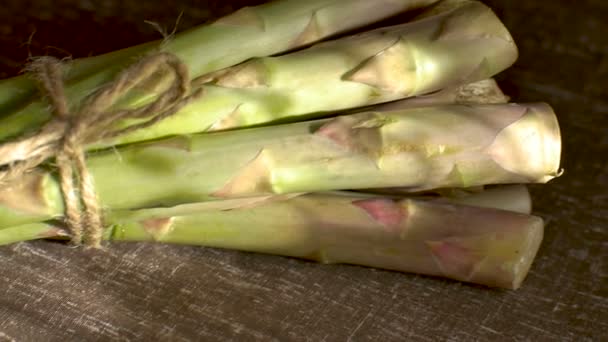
<point>67,133</point>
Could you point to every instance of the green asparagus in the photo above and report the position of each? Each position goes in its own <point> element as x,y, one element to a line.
<point>481,245</point>
<point>481,92</point>
<point>462,45</point>
<point>466,44</point>
<point>250,32</point>
<point>19,91</point>
<point>420,148</point>
<point>416,134</point>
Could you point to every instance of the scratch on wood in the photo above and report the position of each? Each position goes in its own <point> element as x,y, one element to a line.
<point>352,334</point>
<point>490,330</point>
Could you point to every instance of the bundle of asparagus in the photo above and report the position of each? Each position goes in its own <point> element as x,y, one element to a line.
<point>388,148</point>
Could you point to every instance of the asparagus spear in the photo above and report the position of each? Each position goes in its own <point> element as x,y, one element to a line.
<point>482,92</point>
<point>486,246</point>
<point>467,43</point>
<point>464,44</point>
<point>250,32</point>
<point>485,91</point>
<point>514,198</point>
<point>18,91</point>
<point>421,148</point>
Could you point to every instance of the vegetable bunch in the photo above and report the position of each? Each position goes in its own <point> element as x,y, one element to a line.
<point>314,138</point>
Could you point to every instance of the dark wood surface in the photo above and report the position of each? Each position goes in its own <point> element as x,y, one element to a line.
<point>140,291</point>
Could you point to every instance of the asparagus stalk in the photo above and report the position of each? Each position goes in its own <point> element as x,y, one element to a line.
<point>484,246</point>
<point>514,198</point>
<point>464,44</point>
<point>485,91</point>
<point>480,245</point>
<point>480,92</point>
<point>467,43</point>
<point>250,32</point>
<point>18,91</point>
<point>30,231</point>
<point>420,149</point>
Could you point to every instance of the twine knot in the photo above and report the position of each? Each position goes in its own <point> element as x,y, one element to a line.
<point>67,133</point>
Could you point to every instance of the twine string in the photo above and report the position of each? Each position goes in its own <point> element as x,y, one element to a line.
<point>67,133</point>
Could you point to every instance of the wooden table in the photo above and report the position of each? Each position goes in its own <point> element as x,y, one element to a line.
<point>141,291</point>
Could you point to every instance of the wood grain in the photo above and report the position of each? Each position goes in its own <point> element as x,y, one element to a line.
<point>138,291</point>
